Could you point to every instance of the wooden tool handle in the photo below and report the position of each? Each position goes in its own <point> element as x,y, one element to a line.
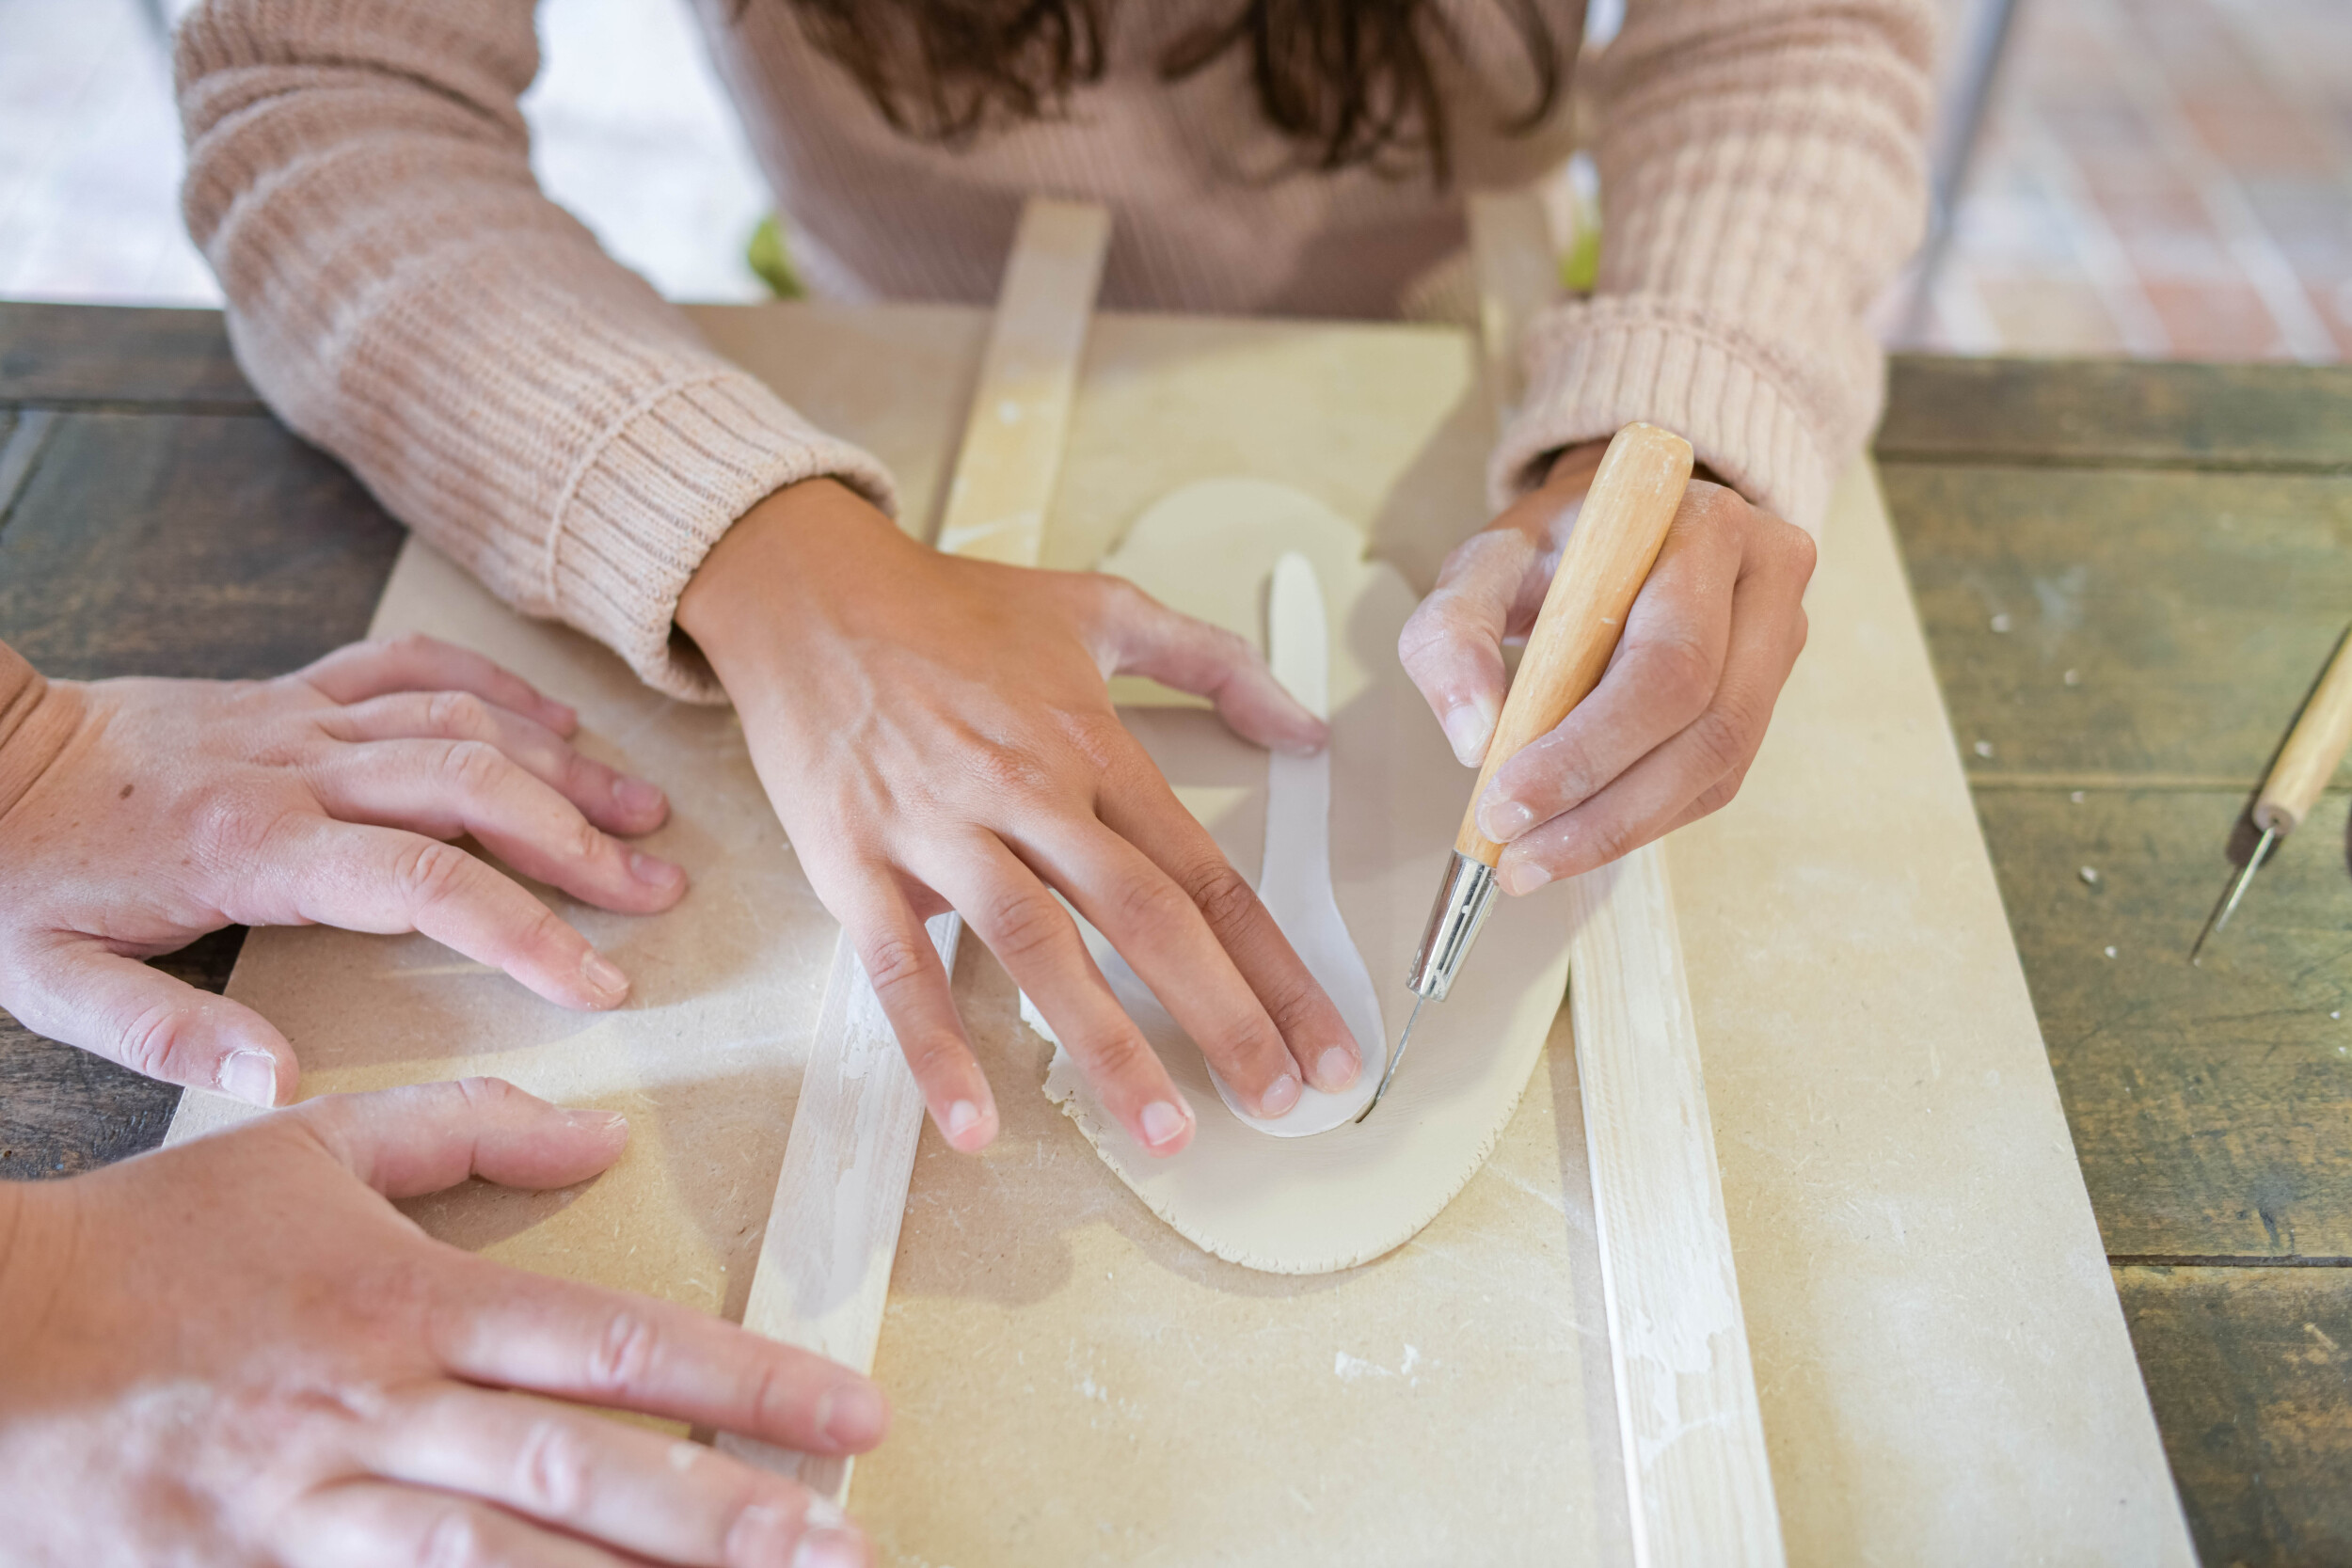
<point>1618,533</point>
<point>2309,759</point>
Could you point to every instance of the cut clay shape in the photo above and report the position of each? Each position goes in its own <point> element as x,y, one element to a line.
<point>1295,878</point>
<point>1310,1205</point>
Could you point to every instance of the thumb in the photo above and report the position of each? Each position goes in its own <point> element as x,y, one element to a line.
<point>1451,646</point>
<point>154,1024</point>
<point>1150,639</point>
<point>427,1136</point>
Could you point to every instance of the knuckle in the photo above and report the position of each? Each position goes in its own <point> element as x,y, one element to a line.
<point>149,1041</point>
<point>1719,794</point>
<point>1721,737</point>
<point>587,841</point>
<point>1025,925</point>
<point>552,1470</point>
<point>429,873</point>
<point>1222,895</point>
<point>458,715</point>
<point>453,1539</point>
<point>471,767</point>
<point>625,1355</point>
<point>1681,674</point>
<point>894,961</point>
<point>1150,905</point>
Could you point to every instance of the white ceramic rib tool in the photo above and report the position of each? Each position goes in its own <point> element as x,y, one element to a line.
<point>1295,878</point>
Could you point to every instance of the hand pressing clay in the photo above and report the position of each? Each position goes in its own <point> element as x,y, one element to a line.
<point>1348,1194</point>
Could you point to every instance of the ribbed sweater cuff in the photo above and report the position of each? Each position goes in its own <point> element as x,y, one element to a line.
<point>1596,366</point>
<point>653,498</point>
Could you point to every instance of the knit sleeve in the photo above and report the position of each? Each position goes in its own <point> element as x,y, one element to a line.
<point>1761,180</point>
<point>403,294</point>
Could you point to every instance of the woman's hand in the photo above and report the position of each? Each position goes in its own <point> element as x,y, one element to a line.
<point>237,1351</point>
<point>936,734</point>
<point>174,808</point>
<point>1668,734</point>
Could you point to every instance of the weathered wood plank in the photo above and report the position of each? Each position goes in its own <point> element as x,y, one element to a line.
<point>188,545</point>
<point>2250,1374</point>
<point>2098,413</point>
<point>2210,1107</point>
<point>116,356</point>
<point>2127,621</point>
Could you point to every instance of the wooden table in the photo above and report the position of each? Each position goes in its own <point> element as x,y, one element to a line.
<point>2171,534</point>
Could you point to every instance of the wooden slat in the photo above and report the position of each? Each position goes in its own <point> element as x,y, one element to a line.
<point>1697,1473</point>
<point>2250,1371</point>
<point>2194,609</point>
<point>2107,413</point>
<point>1692,1431</point>
<point>1013,442</point>
<point>824,1263</point>
<point>119,357</point>
<point>188,545</point>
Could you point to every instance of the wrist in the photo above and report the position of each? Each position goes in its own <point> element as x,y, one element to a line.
<point>31,1269</point>
<point>37,720</point>
<point>797,547</point>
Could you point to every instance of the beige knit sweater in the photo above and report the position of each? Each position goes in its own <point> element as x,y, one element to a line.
<point>403,294</point>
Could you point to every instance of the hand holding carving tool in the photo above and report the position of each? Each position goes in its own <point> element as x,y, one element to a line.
<point>2305,764</point>
<point>1618,533</point>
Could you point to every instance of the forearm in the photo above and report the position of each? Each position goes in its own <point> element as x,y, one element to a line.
<point>403,293</point>
<point>1763,178</point>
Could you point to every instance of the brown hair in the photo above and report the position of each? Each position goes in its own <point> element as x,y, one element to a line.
<point>1349,81</point>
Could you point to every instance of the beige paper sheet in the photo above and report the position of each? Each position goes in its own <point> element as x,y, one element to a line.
<point>1943,1368</point>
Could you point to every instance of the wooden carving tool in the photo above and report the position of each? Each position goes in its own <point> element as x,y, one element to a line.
<point>1618,533</point>
<point>824,1263</point>
<point>2305,762</point>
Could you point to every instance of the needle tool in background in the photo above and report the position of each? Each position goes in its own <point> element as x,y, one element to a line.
<point>1618,533</point>
<point>2305,764</point>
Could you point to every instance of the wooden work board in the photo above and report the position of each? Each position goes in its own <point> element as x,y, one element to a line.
<point>1944,1370</point>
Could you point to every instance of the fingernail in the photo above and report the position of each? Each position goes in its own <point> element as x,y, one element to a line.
<point>1314,736</point>
<point>636,797</point>
<point>250,1076</point>
<point>601,975</point>
<point>1280,1097</point>
<point>849,1415</point>
<point>961,1117</point>
<point>1163,1123</point>
<point>598,1121</point>
<point>829,1548</point>
<point>653,870</point>
<point>1337,1069</point>
<point>1504,820</point>
<point>1467,728</point>
<point>1523,877</point>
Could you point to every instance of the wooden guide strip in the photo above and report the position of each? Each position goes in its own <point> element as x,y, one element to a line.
<point>823,1275</point>
<point>1697,1474</point>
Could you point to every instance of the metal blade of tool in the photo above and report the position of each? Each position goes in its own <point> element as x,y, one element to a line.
<point>825,1264</point>
<point>1697,1474</point>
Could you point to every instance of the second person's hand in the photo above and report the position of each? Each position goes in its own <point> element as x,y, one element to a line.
<point>937,734</point>
<point>160,810</point>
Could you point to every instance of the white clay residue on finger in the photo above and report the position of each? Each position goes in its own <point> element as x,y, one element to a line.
<point>1394,794</point>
